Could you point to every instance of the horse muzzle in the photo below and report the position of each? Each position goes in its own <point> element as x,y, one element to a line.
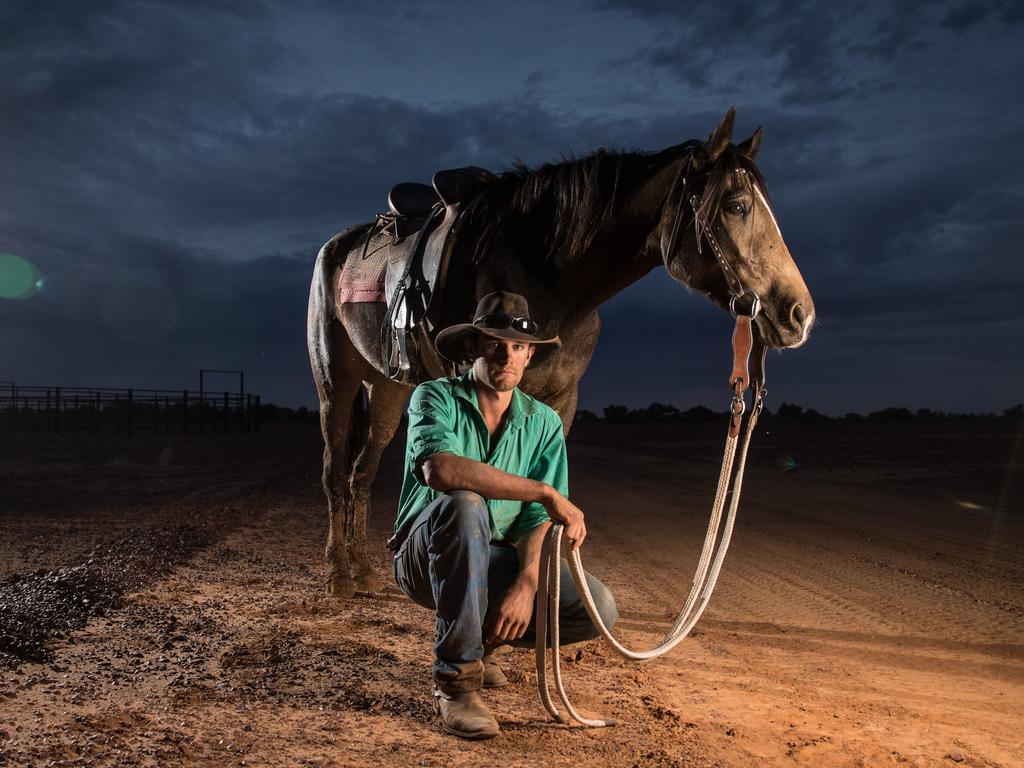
<point>789,328</point>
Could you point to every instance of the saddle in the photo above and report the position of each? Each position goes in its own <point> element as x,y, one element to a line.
<point>413,277</point>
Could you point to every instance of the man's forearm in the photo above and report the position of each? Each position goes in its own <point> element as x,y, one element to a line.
<point>529,547</point>
<point>447,472</point>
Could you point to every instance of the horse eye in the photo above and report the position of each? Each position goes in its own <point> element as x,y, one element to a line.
<point>736,208</point>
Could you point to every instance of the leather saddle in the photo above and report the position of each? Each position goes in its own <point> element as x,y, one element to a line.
<point>414,276</point>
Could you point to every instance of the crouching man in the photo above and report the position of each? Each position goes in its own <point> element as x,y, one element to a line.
<point>485,474</point>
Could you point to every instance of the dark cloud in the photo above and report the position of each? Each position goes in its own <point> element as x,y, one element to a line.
<point>891,36</point>
<point>963,16</point>
<point>732,47</point>
<point>804,53</point>
<point>172,169</point>
<point>157,163</point>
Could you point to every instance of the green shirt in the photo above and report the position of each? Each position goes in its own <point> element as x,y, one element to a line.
<point>444,417</point>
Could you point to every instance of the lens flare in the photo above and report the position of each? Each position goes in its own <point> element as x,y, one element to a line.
<point>787,463</point>
<point>974,507</point>
<point>59,288</point>
<point>18,277</point>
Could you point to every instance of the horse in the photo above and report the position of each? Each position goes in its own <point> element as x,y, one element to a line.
<point>567,236</point>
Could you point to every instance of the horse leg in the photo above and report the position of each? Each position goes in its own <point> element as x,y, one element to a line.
<point>385,412</point>
<point>335,422</point>
<point>564,403</point>
<point>561,388</point>
<point>338,371</point>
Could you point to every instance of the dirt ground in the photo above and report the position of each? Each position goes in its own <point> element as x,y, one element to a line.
<point>162,605</point>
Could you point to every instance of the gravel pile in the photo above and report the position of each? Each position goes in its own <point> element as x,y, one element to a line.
<point>37,607</point>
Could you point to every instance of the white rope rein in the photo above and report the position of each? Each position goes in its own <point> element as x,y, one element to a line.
<point>716,543</point>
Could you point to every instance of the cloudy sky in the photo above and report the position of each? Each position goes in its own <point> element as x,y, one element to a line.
<point>168,171</point>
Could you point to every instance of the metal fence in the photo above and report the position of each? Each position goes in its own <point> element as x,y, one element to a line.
<point>105,409</point>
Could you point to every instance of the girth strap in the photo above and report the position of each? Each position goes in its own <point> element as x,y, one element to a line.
<point>396,326</point>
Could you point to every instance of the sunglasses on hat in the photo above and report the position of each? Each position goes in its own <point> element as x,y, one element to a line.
<point>522,324</point>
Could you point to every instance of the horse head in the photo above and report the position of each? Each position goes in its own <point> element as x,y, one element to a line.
<point>717,219</point>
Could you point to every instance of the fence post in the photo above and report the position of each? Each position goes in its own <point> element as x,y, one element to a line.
<point>184,410</point>
<point>258,400</point>
<point>227,413</point>
<point>131,400</point>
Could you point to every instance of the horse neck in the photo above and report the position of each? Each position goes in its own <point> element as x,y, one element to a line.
<point>624,250</point>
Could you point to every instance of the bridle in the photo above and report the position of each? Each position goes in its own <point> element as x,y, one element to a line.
<point>744,304</point>
<point>702,231</point>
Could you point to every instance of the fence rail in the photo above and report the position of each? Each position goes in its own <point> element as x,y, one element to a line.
<point>96,409</point>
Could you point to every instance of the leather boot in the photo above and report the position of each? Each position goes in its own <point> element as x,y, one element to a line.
<point>465,714</point>
<point>494,677</point>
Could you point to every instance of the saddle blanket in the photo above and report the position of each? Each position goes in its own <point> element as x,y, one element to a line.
<point>362,277</point>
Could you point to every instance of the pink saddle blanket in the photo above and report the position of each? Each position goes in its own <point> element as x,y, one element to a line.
<point>350,291</point>
<point>362,277</point>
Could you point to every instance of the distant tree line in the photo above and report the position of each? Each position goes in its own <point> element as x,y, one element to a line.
<point>657,412</point>
<point>660,412</point>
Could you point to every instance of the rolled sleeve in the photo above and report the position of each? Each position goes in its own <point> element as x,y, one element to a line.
<point>550,466</point>
<point>431,428</point>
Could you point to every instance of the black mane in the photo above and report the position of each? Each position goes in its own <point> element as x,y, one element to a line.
<point>576,197</point>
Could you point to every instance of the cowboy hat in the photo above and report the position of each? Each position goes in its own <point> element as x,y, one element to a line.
<point>499,315</point>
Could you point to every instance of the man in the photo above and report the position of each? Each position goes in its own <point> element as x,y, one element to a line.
<point>486,473</point>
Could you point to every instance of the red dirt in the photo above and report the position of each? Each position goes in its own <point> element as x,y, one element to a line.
<point>867,614</point>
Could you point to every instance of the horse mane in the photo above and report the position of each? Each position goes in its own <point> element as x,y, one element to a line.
<point>574,198</point>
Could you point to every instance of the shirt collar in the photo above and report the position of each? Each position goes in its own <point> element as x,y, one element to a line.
<point>520,407</point>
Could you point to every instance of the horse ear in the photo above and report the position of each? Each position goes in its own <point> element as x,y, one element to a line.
<point>720,139</point>
<point>750,146</point>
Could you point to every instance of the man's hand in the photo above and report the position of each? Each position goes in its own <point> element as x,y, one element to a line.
<point>512,618</point>
<point>563,511</point>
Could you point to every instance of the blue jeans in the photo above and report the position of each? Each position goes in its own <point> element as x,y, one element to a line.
<point>448,563</point>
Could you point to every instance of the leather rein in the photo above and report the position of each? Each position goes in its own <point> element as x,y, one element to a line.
<point>744,305</point>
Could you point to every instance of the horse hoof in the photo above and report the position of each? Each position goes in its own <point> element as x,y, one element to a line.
<point>367,581</point>
<point>342,587</point>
